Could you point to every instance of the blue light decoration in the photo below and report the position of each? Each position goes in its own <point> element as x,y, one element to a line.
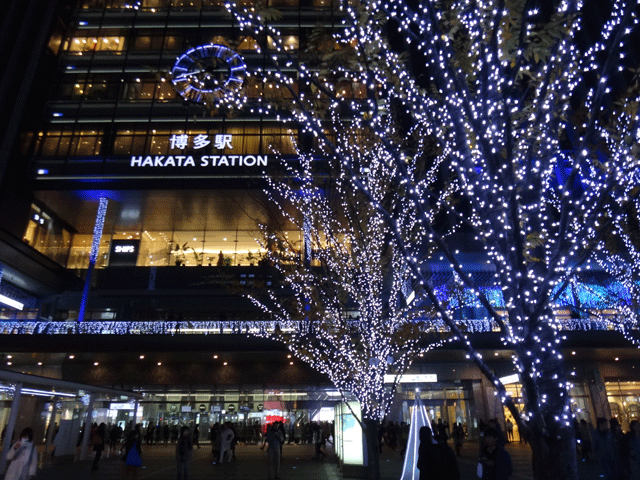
<point>208,73</point>
<point>93,256</point>
<point>419,419</point>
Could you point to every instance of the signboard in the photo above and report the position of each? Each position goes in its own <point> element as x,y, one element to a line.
<point>349,441</point>
<point>231,408</point>
<point>260,407</point>
<point>124,253</point>
<point>202,407</point>
<point>185,156</point>
<point>186,408</point>
<point>216,408</point>
<point>416,378</point>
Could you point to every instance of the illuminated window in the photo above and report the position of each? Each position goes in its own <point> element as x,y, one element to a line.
<point>79,45</point>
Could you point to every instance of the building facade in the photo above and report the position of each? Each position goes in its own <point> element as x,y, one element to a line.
<point>130,212</point>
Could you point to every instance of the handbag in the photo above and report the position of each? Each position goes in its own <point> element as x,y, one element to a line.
<point>479,470</point>
<point>133,458</point>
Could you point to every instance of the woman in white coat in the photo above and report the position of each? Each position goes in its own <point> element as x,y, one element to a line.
<point>24,458</point>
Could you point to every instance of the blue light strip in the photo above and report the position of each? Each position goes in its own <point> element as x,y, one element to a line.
<point>95,248</point>
<point>419,419</point>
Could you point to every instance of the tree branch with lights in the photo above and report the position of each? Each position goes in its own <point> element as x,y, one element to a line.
<point>537,127</point>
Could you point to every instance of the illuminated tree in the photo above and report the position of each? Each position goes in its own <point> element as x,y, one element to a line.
<point>536,125</point>
<point>346,308</point>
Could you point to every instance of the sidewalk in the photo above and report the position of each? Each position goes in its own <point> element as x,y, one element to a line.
<point>297,464</point>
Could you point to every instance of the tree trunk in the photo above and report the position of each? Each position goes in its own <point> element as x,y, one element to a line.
<point>373,448</point>
<point>554,459</point>
<point>550,431</point>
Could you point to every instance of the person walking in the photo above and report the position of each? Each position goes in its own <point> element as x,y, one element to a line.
<point>458,437</point>
<point>273,440</point>
<point>184,449</point>
<point>585,440</point>
<point>196,437</point>
<point>436,461</point>
<point>605,450</point>
<point>98,444</point>
<point>133,453</point>
<point>509,428</point>
<point>216,442</point>
<point>632,450</point>
<point>495,460</point>
<point>225,444</point>
<point>24,458</point>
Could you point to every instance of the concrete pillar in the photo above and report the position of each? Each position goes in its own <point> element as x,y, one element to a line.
<point>11,425</point>
<point>135,414</point>
<point>598,392</point>
<point>50,427</point>
<point>87,428</point>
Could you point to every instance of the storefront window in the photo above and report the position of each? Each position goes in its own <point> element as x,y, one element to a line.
<point>624,401</point>
<point>81,251</point>
<point>47,235</point>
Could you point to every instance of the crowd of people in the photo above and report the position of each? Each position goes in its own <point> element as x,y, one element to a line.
<point>617,453</point>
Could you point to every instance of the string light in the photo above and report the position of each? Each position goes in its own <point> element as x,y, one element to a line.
<point>550,196</point>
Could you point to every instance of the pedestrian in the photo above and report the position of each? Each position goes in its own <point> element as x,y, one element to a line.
<point>509,427</point>
<point>441,431</point>
<point>436,461</point>
<point>632,450</point>
<point>495,460</point>
<point>458,437</point>
<point>273,440</point>
<point>605,450</point>
<point>97,441</point>
<point>184,449</point>
<point>225,443</point>
<point>133,453</point>
<point>585,440</point>
<point>196,436</point>
<point>317,441</point>
<point>216,442</point>
<point>24,458</point>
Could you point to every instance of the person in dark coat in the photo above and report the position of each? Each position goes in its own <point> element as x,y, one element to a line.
<point>436,461</point>
<point>184,449</point>
<point>606,450</point>
<point>98,444</point>
<point>496,461</point>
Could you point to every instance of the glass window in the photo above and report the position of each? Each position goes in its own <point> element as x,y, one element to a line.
<point>81,251</point>
<point>94,43</point>
<point>155,248</point>
<point>187,248</point>
<point>47,235</point>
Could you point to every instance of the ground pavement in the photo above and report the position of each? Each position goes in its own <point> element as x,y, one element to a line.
<point>251,464</point>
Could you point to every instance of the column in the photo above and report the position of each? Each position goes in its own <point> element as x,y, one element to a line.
<point>50,426</point>
<point>11,425</point>
<point>87,428</point>
<point>135,413</point>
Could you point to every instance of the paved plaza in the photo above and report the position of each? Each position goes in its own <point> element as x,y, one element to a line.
<point>251,463</point>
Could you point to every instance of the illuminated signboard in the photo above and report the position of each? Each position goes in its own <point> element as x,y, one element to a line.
<point>416,378</point>
<point>182,142</point>
<point>124,253</point>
